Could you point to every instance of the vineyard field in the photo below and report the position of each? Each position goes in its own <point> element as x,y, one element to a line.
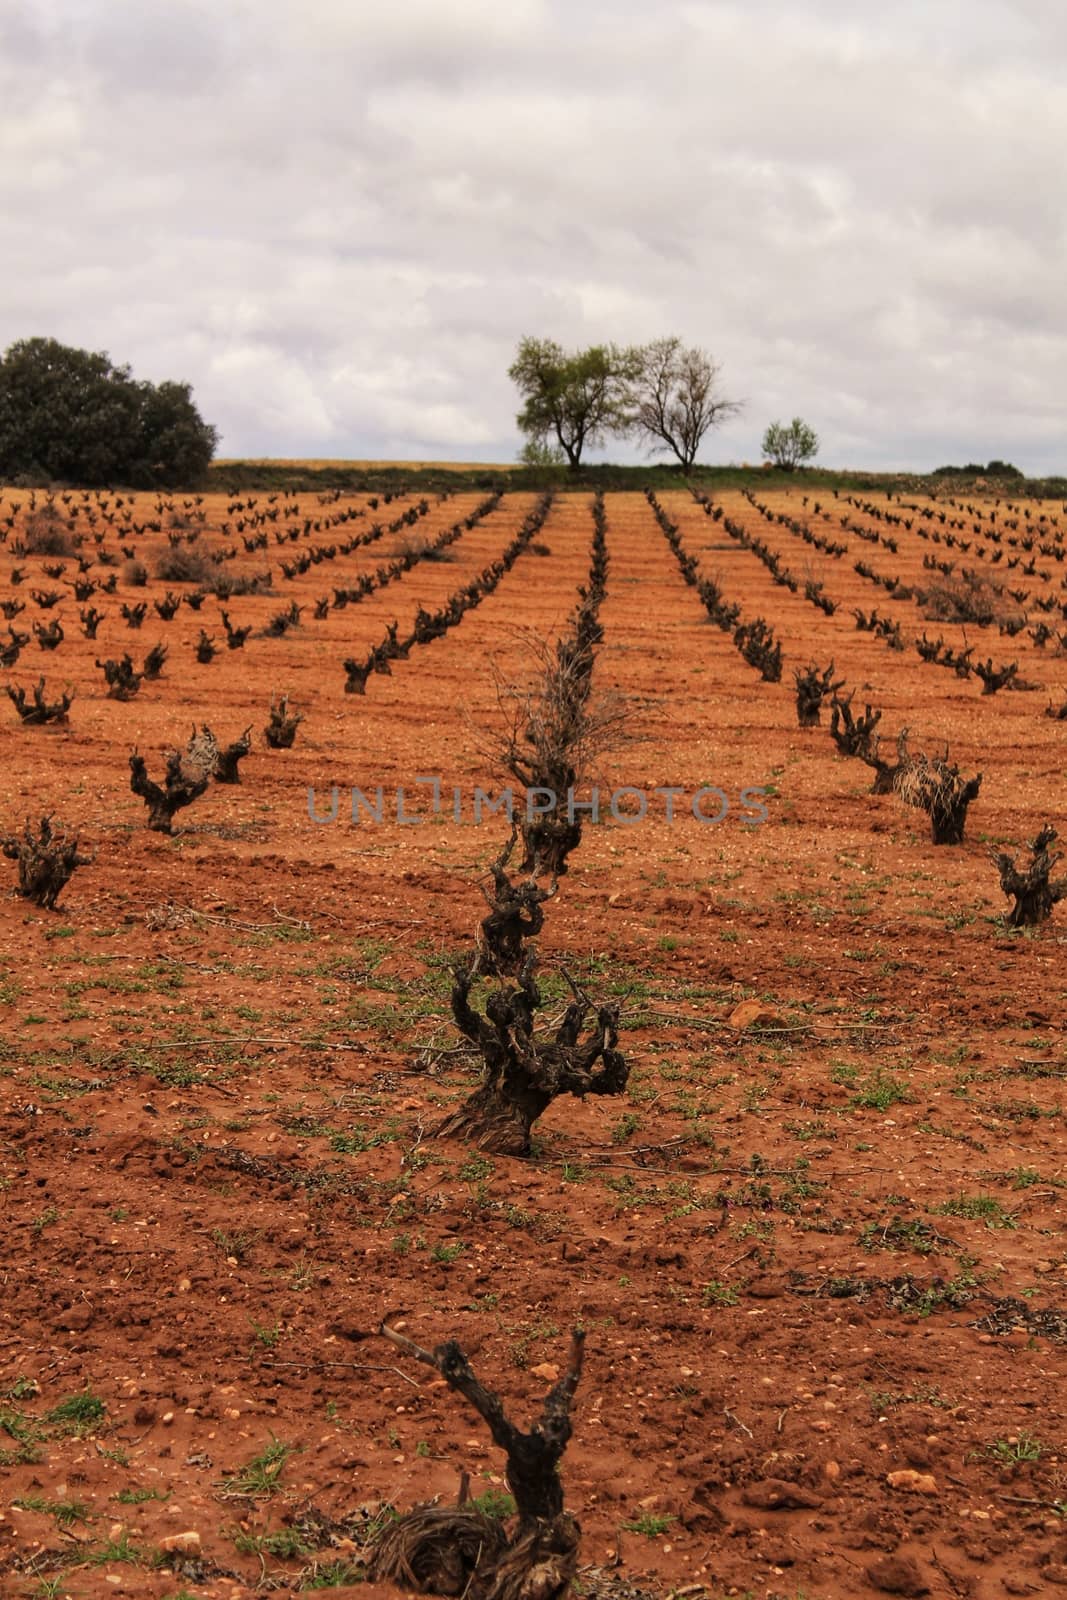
<point>816,1243</point>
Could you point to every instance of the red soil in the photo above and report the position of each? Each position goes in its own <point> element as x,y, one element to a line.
<point>822,1251</point>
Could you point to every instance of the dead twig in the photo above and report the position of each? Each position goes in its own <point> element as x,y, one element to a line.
<point>303,1044</point>
<point>173,914</point>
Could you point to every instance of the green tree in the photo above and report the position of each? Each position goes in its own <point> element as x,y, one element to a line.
<point>175,444</point>
<point>64,413</point>
<point>575,399</point>
<point>677,399</point>
<point>790,447</point>
<point>72,415</point>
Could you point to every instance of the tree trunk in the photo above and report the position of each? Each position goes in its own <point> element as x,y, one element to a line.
<point>885,777</point>
<point>496,1120</point>
<point>947,823</point>
<point>948,812</point>
<point>1033,905</point>
<point>1033,891</point>
<point>548,840</point>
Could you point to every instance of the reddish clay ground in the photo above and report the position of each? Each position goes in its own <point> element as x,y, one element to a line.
<point>820,1260</point>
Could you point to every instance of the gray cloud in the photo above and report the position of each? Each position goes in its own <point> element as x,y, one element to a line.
<point>336,222</point>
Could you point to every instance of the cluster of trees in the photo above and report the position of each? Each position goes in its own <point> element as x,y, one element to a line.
<point>975,469</point>
<point>664,393</point>
<point>71,415</point>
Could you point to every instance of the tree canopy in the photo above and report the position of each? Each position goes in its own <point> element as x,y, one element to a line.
<point>71,415</point>
<point>575,399</point>
<point>789,447</point>
<point>663,392</point>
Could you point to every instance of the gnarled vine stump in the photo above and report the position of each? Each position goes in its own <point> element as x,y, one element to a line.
<point>813,686</point>
<point>1032,888</point>
<point>515,915</point>
<point>46,861</point>
<point>524,1071</point>
<point>179,789</point>
<point>454,1550</point>
<point>281,728</point>
<point>937,787</point>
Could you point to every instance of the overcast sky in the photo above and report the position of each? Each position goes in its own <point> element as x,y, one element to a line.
<point>336,219</point>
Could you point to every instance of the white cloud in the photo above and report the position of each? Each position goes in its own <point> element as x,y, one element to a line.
<point>336,223</point>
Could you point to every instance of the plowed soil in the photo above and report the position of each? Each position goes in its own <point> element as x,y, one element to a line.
<point>817,1247</point>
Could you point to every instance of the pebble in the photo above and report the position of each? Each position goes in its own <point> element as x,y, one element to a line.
<point>187,1543</point>
<point>751,1012</point>
<point>912,1482</point>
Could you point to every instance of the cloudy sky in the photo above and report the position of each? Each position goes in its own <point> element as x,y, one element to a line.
<point>336,219</point>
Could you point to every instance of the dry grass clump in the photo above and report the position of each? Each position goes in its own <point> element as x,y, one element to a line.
<point>43,533</point>
<point>969,598</point>
<point>180,563</point>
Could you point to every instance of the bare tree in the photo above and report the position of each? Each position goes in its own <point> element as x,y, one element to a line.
<point>677,399</point>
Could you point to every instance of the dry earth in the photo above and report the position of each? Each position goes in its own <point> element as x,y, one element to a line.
<point>820,1258</point>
